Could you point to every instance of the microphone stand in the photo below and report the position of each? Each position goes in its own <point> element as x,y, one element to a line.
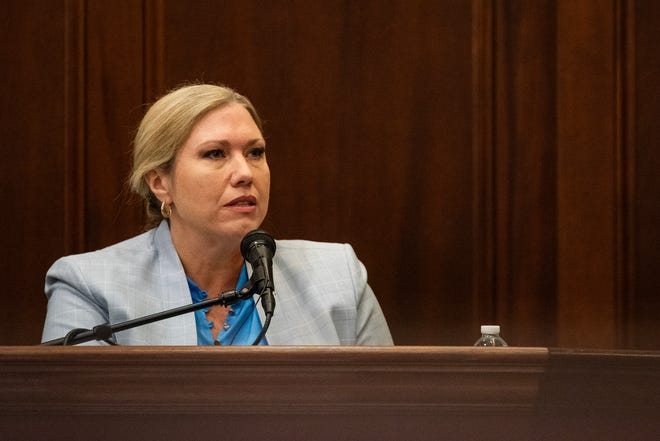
<point>105,331</point>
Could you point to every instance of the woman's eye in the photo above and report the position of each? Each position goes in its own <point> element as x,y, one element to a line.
<point>215,153</point>
<point>257,152</point>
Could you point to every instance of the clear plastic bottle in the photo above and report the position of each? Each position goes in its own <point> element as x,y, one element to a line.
<point>490,336</point>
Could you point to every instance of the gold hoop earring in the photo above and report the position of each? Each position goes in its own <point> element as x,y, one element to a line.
<point>165,210</point>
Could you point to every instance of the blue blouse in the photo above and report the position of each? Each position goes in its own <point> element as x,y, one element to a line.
<point>242,325</point>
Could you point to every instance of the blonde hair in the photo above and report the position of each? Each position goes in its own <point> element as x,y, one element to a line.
<point>165,128</point>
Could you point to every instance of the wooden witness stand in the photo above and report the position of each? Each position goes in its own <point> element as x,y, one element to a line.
<point>327,393</point>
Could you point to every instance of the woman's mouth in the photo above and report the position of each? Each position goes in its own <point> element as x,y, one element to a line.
<point>242,202</point>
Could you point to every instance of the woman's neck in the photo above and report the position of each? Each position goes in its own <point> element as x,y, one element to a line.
<point>213,265</point>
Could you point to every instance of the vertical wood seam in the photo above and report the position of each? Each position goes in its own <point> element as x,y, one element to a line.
<point>483,109</point>
<point>624,173</point>
<point>74,130</point>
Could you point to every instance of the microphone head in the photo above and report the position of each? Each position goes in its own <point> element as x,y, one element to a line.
<point>254,239</point>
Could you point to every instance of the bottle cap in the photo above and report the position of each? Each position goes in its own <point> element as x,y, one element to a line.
<point>490,329</point>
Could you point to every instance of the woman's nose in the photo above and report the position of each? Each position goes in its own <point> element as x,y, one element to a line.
<point>241,171</point>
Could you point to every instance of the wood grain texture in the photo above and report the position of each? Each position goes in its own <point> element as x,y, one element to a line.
<point>646,204</point>
<point>525,180</point>
<point>32,158</point>
<point>489,161</point>
<point>114,90</point>
<point>586,186</point>
<point>368,120</point>
<point>329,393</point>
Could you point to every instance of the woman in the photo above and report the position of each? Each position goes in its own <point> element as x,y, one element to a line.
<point>199,163</point>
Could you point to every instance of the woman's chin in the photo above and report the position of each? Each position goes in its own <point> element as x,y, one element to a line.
<point>238,230</point>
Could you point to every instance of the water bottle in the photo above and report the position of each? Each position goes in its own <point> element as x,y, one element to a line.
<point>490,336</point>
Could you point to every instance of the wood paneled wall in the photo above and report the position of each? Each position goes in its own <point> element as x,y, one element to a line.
<point>490,161</point>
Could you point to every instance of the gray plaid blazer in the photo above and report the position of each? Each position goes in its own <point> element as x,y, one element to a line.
<point>321,290</point>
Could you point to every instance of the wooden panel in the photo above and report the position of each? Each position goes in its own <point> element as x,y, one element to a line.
<point>645,308</point>
<point>74,127</point>
<point>421,393</point>
<point>114,92</point>
<point>624,139</point>
<point>489,161</point>
<point>65,171</point>
<point>586,147</point>
<point>483,153</point>
<point>32,160</point>
<point>524,163</point>
<point>368,119</point>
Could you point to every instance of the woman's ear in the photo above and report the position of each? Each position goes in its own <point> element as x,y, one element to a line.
<point>159,183</point>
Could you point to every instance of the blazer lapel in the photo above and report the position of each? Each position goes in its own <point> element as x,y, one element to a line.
<point>179,330</point>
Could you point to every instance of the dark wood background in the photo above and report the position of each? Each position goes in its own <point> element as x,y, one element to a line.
<point>490,161</point>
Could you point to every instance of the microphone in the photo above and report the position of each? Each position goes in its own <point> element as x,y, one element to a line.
<point>258,248</point>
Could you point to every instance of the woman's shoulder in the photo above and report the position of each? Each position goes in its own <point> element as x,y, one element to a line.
<point>307,252</point>
<point>296,246</point>
<point>130,248</point>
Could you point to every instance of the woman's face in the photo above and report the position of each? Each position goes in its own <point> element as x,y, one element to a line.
<point>219,185</point>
